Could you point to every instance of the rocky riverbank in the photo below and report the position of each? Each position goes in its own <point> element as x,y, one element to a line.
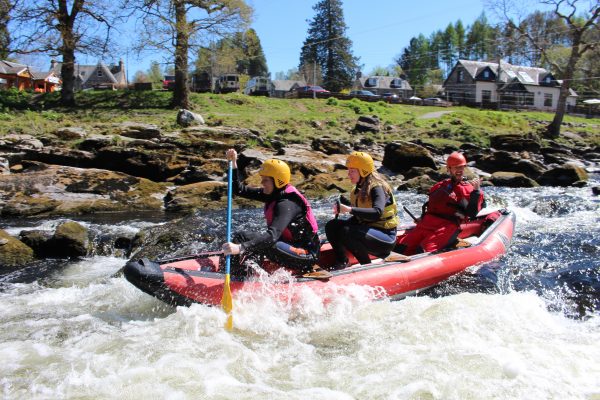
<point>131,166</point>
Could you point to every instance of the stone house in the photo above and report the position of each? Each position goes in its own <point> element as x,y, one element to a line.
<point>384,84</point>
<point>99,76</point>
<point>504,85</point>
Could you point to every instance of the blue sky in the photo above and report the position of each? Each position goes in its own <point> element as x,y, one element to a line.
<point>379,30</point>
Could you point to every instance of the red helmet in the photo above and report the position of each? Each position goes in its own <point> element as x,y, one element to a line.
<point>456,159</point>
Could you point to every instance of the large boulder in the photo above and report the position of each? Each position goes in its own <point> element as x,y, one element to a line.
<point>138,130</point>
<point>70,133</point>
<point>186,118</point>
<point>564,175</point>
<point>13,253</point>
<point>402,156</point>
<point>421,184</point>
<point>513,142</point>
<point>70,240</point>
<point>512,179</point>
<point>331,146</point>
<point>367,124</point>
<point>201,195</point>
<point>510,162</point>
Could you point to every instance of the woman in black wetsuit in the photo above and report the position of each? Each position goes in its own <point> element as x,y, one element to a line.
<point>371,229</point>
<point>291,237</point>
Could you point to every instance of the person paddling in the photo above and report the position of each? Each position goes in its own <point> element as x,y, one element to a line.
<point>451,202</point>
<point>291,237</point>
<point>371,229</point>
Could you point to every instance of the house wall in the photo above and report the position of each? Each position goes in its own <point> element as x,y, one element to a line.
<point>464,91</point>
<point>481,86</point>
<point>539,96</point>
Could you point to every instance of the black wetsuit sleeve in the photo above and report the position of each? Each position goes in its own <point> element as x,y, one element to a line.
<point>285,211</point>
<point>252,193</point>
<point>379,198</point>
<point>473,207</point>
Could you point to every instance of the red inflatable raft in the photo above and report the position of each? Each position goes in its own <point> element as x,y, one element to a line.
<point>200,278</point>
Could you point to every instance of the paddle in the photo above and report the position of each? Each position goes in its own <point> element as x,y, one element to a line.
<point>226,300</point>
<point>410,214</point>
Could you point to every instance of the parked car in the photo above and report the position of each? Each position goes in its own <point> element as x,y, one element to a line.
<point>435,101</point>
<point>311,89</point>
<point>362,93</point>
<point>169,82</point>
<point>390,97</point>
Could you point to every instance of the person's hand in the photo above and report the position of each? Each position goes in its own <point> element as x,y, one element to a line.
<point>230,248</point>
<point>476,183</point>
<point>344,209</point>
<point>231,155</point>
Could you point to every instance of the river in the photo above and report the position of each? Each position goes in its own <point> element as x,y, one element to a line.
<point>524,327</point>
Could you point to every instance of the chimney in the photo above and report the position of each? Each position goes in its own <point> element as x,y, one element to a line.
<point>52,64</point>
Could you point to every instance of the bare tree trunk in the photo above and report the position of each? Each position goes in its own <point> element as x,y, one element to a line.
<point>69,43</point>
<point>553,130</point>
<point>67,72</point>
<point>181,92</point>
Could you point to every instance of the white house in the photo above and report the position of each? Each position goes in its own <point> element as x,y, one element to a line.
<point>485,83</point>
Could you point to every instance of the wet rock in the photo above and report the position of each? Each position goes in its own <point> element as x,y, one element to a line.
<point>187,118</point>
<point>512,179</point>
<point>38,240</point>
<point>421,184</point>
<point>596,190</point>
<point>510,162</point>
<point>70,240</point>
<point>202,195</point>
<point>564,175</point>
<point>13,253</point>
<point>401,156</point>
<point>326,184</point>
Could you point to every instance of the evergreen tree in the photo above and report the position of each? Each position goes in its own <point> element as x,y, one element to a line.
<point>448,47</point>
<point>254,55</point>
<point>5,8</point>
<point>327,50</point>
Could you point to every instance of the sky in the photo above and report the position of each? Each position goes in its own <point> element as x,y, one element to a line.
<point>379,31</point>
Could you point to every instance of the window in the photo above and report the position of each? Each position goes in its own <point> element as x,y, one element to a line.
<point>486,96</point>
<point>99,73</point>
<point>371,82</point>
<point>396,83</point>
<point>547,99</point>
<point>461,75</point>
<point>486,74</point>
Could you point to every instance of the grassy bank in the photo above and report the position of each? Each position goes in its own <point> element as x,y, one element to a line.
<point>289,120</point>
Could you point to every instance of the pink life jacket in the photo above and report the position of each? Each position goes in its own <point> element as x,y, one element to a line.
<point>270,208</point>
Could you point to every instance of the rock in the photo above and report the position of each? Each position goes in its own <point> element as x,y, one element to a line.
<point>512,179</point>
<point>70,240</point>
<point>70,133</point>
<point>96,142</point>
<point>367,124</point>
<point>13,253</point>
<point>596,190</point>
<point>513,142</point>
<point>402,156</point>
<point>564,175</point>
<point>138,130</point>
<point>14,142</point>
<point>326,184</point>
<point>421,184</point>
<point>4,166</point>
<point>202,195</point>
<point>331,146</point>
<point>38,240</point>
<point>510,162</point>
<point>187,118</point>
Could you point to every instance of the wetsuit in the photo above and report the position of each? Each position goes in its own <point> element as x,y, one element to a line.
<point>370,230</point>
<point>291,238</point>
<point>448,206</point>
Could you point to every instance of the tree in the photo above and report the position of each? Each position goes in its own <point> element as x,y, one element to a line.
<point>253,61</point>
<point>62,28</point>
<point>581,26</point>
<point>154,74</point>
<point>327,49</point>
<point>179,27</point>
<point>415,61</point>
<point>5,9</point>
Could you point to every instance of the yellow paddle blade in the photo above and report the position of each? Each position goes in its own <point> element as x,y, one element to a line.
<point>227,303</point>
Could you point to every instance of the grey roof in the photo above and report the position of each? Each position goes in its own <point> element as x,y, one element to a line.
<point>286,84</point>
<point>508,72</point>
<point>9,67</point>
<point>384,82</point>
<point>85,72</point>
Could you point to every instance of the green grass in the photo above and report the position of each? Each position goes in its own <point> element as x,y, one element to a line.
<point>288,120</point>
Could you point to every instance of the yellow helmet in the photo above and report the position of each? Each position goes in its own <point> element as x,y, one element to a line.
<point>278,170</point>
<point>362,162</point>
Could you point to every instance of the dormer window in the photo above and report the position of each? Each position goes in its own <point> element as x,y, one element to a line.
<point>548,79</point>
<point>396,83</point>
<point>486,74</point>
<point>99,73</point>
<point>371,82</point>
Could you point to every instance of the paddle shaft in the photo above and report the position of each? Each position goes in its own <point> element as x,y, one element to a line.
<point>410,214</point>
<point>229,196</point>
